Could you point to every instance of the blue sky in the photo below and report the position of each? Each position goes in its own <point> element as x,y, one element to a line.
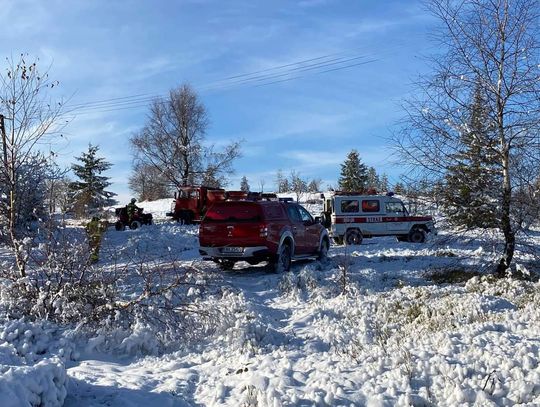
<point>100,50</point>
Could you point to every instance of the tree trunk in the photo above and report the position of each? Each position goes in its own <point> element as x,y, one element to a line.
<point>506,225</point>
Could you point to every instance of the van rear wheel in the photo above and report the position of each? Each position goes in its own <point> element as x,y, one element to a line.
<point>353,237</point>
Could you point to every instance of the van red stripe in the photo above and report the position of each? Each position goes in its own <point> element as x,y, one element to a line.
<point>382,219</point>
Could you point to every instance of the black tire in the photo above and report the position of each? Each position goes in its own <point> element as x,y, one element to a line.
<point>227,264</point>
<point>353,237</point>
<point>282,262</point>
<point>119,226</point>
<point>417,236</point>
<point>188,217</point>
<point>402,238</point>
<point>323,250</point>
<point>135,225</point>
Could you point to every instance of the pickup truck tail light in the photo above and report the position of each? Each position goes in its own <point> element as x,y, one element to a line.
<point>263,231</point>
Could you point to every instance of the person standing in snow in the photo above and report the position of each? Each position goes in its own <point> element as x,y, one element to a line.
<point>131,209</point>
<point>94,230</point>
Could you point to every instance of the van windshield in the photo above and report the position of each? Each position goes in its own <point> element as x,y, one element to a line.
<point>237,212</point>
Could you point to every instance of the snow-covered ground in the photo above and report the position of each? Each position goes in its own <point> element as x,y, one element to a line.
<point>372,326</point>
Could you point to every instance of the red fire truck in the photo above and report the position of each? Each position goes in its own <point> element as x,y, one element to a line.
<point>191,202</point>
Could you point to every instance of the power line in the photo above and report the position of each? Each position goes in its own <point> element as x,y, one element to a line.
<point>252,78</point>
<point>147,96</point>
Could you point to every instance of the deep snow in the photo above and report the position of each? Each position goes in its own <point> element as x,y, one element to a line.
<point>384,335</point>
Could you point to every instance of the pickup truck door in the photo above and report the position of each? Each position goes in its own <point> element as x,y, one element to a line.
<point>298,229</point>
<point>312,230</point>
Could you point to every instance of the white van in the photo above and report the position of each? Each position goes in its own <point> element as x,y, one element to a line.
<point>351,217</point>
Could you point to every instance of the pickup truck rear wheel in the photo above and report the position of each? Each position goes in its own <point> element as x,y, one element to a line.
<point>283,260</point>
<point>353,237</point>
<point>417,236</point>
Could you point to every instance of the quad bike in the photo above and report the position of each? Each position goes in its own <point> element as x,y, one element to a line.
<point>139,218</point>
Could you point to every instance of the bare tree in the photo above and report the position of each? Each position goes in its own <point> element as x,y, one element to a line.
<point>314,185</point>
<point>148,183</point>
<point>492,47</point>
<point>298,184</point>
<point>172,141</point>
<point>27,117</point>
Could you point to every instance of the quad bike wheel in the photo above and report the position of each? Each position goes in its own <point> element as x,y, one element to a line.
<point>120,226</point>
<point>135,225</point>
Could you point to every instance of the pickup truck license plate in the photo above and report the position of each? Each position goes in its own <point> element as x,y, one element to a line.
<point>232,250</point>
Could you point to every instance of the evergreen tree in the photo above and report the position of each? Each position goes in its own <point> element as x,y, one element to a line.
<point>383,183</point>
<point>399,188</point>
<point>89,194</point>
<point>244,185</point>
<point>354,175</point>
<point>470,183</point>
<point>372,179</point>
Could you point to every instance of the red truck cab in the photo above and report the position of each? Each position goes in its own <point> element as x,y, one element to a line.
<point>191,202</point>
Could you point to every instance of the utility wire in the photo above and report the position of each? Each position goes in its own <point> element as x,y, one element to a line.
<point>256,79</point>
<point>148,96</point>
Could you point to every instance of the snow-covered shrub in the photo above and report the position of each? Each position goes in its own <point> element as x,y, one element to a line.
<point>42,384</point>
<point>33,341</point>
<point>170,309</point>
<point>303,283</point>
<point>519,292</point>
<point>63,287</point>
<point>31,363</point>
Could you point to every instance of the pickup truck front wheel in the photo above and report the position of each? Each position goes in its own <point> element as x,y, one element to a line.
<point>323,250</point>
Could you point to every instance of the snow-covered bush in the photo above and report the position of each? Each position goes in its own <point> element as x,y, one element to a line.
<point>31,363</point>
<point>62,287</point>
<point>138,308</point>
<point>42,384</point>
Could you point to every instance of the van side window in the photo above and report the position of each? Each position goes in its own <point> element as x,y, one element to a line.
<point>350,206</point>
<point>370,205</point>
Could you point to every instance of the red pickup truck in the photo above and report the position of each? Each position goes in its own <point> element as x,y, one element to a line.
<point>256,231</point>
